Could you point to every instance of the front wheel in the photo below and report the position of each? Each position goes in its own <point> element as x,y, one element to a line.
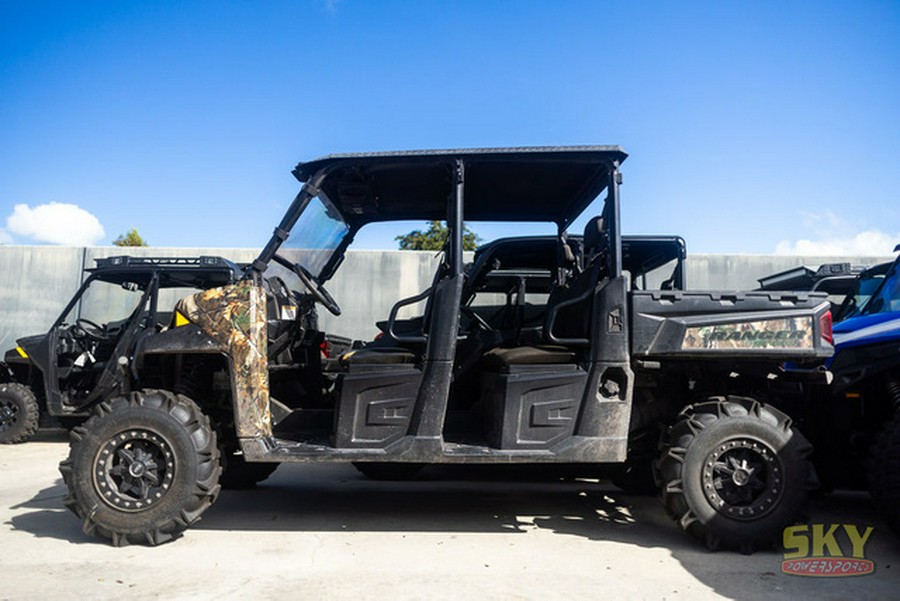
<point>733,473</point>
<point>19,413</point>
<point>142,468</point>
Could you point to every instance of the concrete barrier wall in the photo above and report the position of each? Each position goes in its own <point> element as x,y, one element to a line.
<point>37,281</point>
<point>741,272</point>
<point>35,284</point>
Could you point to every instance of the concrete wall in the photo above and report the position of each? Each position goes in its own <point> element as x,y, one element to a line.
<point>741,272</point>
<point>37,281</point>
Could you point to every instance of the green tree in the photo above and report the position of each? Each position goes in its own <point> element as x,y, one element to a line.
<point>435,237</point>
<point>131,238</point>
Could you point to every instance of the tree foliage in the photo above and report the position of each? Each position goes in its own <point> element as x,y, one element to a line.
<point>131,238</point>
<point>435,237</point>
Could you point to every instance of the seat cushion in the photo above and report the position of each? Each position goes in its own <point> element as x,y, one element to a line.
<point>378,356</point>
<point>528,355</point>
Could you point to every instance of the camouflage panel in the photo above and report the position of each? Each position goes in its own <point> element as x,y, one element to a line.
<point>235,316</point>
<point>790,333</point>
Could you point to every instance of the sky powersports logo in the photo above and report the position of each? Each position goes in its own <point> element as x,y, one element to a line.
<point>826,550</point>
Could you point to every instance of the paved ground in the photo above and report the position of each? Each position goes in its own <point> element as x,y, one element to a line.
<point>325,531</point>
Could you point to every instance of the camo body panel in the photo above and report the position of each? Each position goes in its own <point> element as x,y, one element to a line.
<point>235,316</point>
<point>790,333</point>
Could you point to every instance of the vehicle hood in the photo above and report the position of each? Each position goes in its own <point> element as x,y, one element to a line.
<point>27,343</point>
<point>867,329</point>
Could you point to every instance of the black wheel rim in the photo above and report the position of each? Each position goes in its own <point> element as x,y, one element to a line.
<point>743,478</point>
<point>134,470</point>
<point>9,414</point>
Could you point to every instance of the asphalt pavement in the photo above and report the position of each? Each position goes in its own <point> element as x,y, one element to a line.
<point>326,532</point>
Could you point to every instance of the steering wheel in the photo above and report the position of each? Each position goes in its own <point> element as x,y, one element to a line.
<point>90,329</point>
<point>318,290</point>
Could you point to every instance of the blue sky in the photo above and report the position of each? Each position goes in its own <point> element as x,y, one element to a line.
<point>751,126</point>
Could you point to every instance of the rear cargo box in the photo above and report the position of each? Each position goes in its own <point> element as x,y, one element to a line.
<point>736,324</point>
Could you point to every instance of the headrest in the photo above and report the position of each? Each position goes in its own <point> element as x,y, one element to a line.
<point>594,236</point>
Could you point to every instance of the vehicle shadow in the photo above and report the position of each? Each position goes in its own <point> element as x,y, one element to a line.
<point>509,500</point>
<point>51,435</point>
<point>49,518</point>
<point>516,499</point>
<point>481,499</point>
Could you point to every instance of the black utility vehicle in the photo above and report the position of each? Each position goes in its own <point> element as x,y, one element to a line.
<point>558,382</point>
<point>61,373</point>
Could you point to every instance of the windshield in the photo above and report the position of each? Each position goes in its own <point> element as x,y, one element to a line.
<point>862,291</point>
<point>318,232</point>
<point>887,297</point>
<point>104,302</point>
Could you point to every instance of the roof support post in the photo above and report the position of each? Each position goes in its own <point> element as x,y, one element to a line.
<point>613,219</point>
<point>437,373</point>
<point>455,217</point>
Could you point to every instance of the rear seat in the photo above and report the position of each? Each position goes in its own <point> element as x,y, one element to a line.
<point>501,359</point>
<point>567,319</point>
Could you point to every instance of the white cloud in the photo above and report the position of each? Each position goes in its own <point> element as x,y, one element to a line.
<point>55,223</point>
<point>831,235</point>
<point>871,243</point>
<point>5,238</point>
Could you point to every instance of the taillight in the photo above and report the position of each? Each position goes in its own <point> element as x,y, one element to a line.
<point>825,323</point>
<point>326,348</point>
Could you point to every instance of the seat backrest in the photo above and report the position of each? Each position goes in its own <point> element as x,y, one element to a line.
<point>568,318</point>
<point>281,316</point>
<point>596,241</point>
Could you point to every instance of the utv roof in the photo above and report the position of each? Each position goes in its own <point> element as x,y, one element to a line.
<point>552,183</point>
<point>190,272</point>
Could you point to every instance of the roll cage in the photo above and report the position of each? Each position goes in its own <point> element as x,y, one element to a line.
<point>549,184</point>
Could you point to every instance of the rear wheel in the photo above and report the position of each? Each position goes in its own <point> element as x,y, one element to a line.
<point>19,413</point>
<point>142,468</point>
<point>733,472</point>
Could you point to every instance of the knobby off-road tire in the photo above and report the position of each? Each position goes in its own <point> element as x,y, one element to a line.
<point>19,413</point>
<point>884,473</point>
<point>388,471</point>
<point>733,473</point>
<point>237,474</point>
<point>142,468</point>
